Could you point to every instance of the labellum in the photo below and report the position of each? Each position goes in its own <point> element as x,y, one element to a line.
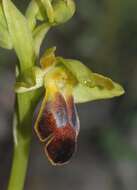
<point>57,123</point>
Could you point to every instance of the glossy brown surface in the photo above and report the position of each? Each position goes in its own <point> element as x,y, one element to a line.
<point>58,125</point>
<point>62,146</point>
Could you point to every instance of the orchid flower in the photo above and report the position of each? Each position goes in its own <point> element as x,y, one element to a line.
<point>58,84</point>
<point>66,82</point>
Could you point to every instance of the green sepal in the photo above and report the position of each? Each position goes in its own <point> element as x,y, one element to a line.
<point>20,35</point>
<point>85,94</point>
<point>91,86</point>
<point>87,85</point>
<point>82,73</point>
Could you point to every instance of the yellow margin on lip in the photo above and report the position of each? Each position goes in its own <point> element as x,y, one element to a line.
<point>39,114</point>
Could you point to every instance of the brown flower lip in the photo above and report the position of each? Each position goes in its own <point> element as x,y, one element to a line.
<point>61,146</point>
<point>58,128</point>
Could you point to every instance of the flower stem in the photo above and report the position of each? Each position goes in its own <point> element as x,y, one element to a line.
<point>22,129</point>
<point>19,166</point>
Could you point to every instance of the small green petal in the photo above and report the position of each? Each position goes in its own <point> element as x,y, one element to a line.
<point>35,80</point>
<point>38,35</point>
<point>48,59</point>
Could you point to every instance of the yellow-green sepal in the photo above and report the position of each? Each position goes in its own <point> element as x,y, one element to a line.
<point>82,73</point>
<point>83,93</point>
<point>90,86</point>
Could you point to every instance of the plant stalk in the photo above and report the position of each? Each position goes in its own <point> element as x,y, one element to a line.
<point>25,105</point>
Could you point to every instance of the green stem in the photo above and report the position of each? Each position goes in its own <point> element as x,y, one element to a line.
<point>25,105</point>
<point>19,166</point>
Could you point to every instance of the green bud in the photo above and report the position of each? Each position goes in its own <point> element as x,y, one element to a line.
<point>53,11</point>
<point>63,10</point>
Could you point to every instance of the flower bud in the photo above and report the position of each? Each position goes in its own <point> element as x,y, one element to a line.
<point>63,10</point>
<point>56,11</point>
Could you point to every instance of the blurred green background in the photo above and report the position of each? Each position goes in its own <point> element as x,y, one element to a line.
<point>103,35</point>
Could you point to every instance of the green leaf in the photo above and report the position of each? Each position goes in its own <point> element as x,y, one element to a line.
<point>5,40</point>
<point>20,35</point>
<point>91,86</point>
<point>3,23</point>
<point>39,34</point>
